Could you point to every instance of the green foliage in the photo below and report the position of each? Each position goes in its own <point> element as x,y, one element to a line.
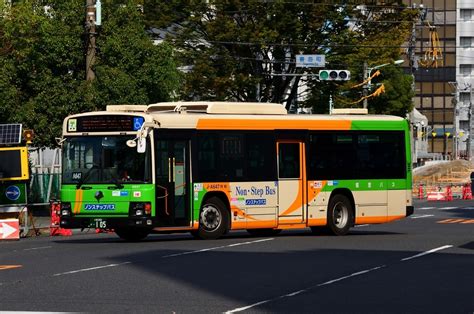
<point>397,99</point>
<point>244,50</point>
<point>42,63</point>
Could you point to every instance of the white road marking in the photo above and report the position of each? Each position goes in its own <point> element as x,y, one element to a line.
<point>91,268</point>
<point>292,294</point>
<point>38,248</point>
<point>218,247</point>
<point>171,255</point>
<point>426,253</point>
<point>362,272</point>
<point>362,225</point>
<point>421,216</point>
<point>424,208</point>
<point>449,207</point>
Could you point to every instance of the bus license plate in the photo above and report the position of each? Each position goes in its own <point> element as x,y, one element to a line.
<point>100,223</point>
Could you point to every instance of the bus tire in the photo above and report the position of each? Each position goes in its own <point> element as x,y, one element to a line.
<point>264,232</point>
<point>340,215</point>
<point>132,234</point>
<point>213,219</point>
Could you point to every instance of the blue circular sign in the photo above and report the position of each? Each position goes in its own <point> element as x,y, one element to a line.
<point>12,192</point>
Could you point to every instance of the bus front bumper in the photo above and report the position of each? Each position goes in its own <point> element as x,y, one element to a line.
<point>105,223</point>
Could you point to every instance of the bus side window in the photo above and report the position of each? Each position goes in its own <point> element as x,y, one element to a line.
<point>289,160</point>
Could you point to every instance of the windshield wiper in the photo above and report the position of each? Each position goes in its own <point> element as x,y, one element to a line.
<point>117,185</point>
<point>86,175</point>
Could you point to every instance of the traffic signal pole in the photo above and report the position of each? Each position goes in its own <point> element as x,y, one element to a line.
<point>365,90</point>
<point>90,37</point>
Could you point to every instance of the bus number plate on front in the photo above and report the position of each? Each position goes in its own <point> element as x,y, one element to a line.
<point>100,223</point>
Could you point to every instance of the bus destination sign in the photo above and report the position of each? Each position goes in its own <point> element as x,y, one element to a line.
<point>105,123</point>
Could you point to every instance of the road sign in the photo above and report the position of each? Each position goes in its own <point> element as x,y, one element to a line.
<point>9,229</point>
<point>310,61</point>
<point>12,192</point>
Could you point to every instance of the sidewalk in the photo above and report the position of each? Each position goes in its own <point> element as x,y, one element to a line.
<point>40,226</point>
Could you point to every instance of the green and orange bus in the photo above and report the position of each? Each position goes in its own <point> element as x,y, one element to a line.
<point>211,167</point>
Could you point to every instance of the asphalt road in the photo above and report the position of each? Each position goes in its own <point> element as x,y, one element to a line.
<point>422,264</point>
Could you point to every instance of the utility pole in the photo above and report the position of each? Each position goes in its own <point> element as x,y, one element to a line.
<point>91,21</point>
<point>470,135</point>
<point>365,91</point>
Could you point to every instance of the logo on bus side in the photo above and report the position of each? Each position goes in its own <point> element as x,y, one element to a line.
<point>260,201</point>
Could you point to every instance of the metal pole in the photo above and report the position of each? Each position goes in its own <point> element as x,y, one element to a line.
<point>366,87</point>
<point>90,31</point>
<point>470,137</point>
<point>330,104</point>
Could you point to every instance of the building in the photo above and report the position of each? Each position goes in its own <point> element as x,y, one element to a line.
<point>434,70</point>
<point>465,76</point>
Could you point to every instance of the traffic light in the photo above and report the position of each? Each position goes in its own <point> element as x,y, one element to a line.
<point>334,75</point>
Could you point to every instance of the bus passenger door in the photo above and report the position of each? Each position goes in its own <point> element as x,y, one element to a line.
<point>172,178</point>
<point>291,176</point>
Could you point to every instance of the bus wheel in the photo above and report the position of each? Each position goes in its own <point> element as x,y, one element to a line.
<point>213,219</point>
<point>263,232</point>
<point>340,215</point>
<point>132,234</point>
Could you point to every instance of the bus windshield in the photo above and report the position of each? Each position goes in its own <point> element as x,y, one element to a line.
<point>103,160</point>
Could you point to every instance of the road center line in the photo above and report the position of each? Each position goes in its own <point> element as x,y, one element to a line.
<point>422,216</point>
<point>89,269</point>
<point>426,253</point>
<point>218,247</point>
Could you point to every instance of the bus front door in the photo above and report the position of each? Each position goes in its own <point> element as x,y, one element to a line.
<point>172,177</point>
<point>291,188</point>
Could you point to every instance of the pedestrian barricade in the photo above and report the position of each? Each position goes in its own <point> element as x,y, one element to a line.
<point>466,192</point>
<point>54,228</point>
<point>421,194</point>
<point>439,195</point>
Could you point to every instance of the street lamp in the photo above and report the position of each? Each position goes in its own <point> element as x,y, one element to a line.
<point>368,74</point>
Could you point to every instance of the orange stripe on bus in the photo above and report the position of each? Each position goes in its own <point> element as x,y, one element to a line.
<point>297,203</point>
<point>469,221</point>
<point>261,224</point>
<point>287,226</point>
<point>78,201</point>
<point>317,222</point>
<point>240,124</point>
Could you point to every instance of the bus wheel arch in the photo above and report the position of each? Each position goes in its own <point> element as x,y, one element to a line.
<point>340,212</point>
<point>214,216</point>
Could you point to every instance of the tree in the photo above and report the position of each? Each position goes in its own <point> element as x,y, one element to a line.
<point>42,62</point>
<point>375,37</point>
<point>245,50</point>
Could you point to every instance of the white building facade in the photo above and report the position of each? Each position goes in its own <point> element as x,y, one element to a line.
<point>465,76</point>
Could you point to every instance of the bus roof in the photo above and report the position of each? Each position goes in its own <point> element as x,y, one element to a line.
<point>205,115</point>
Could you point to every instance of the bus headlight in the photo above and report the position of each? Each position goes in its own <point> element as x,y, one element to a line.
<point>140,209</point>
